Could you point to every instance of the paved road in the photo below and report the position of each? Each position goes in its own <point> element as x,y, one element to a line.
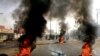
<point>68,48</point>
<point>48,48</point>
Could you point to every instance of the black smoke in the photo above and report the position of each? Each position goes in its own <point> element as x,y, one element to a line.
<point>87,28</point>
<point>89,32</point>
<point>34,23</point>
<point>58,8</point>
<point>63,28</point>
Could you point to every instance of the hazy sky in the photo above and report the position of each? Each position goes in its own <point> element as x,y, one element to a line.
<point>7,7</point>
<point>95,7</point>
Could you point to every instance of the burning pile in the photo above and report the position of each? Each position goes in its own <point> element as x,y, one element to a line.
<point>89,39</point>
<point>87,28</point>
<point>33,25</point>
<point>86,50</point>
<point>62,32</point>
<point>24,48</point>
<point>61,39</point>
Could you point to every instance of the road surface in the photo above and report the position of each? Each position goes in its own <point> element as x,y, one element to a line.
<point>49,48</point>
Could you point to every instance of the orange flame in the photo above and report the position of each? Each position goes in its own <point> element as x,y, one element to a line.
<point>24,49</point>
<point>61,40</point>
<point>86,50</point>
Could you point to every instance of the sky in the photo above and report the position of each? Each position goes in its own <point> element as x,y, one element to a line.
<point>96,7</point>
<point>6,9</point>
<point>8,6</point>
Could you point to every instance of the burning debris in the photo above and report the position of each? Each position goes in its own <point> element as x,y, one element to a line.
<point>86,50</point>
<point>34,22</point>
<point>90,36</point>
<point>61,39</point>
<point>62,32</point>
<point>24,47</point>
<point>33,25</point>
<point>87,29</point>
<point>81,11</point>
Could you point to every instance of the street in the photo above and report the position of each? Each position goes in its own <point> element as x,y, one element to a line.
<point>49,48</point>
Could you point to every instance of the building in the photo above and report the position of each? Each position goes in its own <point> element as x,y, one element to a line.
<point>6,34</point>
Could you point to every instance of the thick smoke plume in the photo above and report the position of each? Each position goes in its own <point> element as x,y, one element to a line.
<point>31,14</point>
<point>58,8</point>
<point>86,27</point>
<point>63,29</point>
<point>34,23</point>
<point>81,11</point>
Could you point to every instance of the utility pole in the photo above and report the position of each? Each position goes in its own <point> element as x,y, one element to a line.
<point>97,14</point>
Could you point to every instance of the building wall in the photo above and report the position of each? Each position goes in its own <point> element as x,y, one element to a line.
<point>6,34</point>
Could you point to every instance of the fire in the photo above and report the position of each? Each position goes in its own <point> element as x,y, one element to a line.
<point>86,50</point>
<point>24,48</point>
<point>61,40</point>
